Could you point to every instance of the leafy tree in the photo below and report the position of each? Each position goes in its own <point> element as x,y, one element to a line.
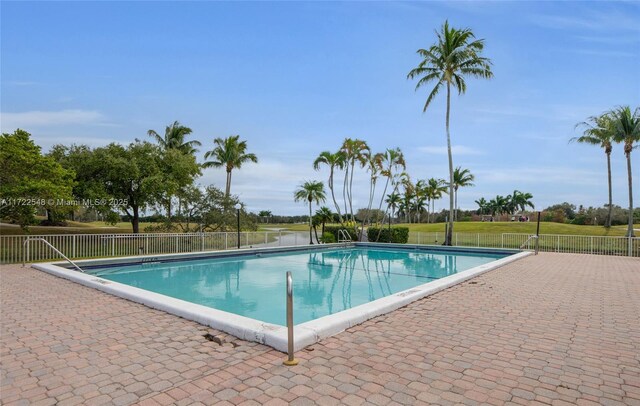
<point>178,170</point>
<point>461,178</point>
<point>310,191</point>
<point>174,138</point>
<point>26,174</point>
<point>499,205</point>
<point>208,210</point>
<point>229,153</point>
<point>89,176</point>
<point>133,175</point>
<point>600,130</point>
<point>457,54</point>
<point>627,131</point>
<point>568,209</point>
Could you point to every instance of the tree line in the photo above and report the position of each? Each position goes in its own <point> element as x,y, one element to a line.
<point>116,178</point>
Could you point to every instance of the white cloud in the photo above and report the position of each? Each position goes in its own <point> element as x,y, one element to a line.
<point>455,149</point>
<point>36,118</point>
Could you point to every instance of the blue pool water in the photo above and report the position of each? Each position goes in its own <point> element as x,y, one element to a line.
<point>324,281</point>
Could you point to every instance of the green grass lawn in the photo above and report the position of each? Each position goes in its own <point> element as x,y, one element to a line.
<point>490,228</point>
<point>98,227</point>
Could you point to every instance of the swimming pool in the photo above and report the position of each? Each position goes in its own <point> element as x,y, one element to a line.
<point>243,292</point>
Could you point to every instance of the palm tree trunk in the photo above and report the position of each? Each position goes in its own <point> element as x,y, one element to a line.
<point>630,226</point>
<point>310,225</point>
<point>333,196</point>
<point>227,190</point>
<point>607,222</point>
<point>449,236</point>
<point>455,191</point>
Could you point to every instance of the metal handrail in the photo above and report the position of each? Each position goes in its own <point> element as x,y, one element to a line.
<point>528,239</point>
<point>291,360</point>
<point>26,243</point>
<point>346,237</point>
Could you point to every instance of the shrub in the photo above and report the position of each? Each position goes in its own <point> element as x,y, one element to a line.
<point>327,238</point>
<point>399,235</point>
<point>334,231</point>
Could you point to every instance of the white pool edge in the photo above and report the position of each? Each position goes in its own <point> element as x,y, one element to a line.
<point>265,333</point>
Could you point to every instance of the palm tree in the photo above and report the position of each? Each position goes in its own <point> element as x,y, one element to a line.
<point>325,215</point>
<point>230,153</point>
<point>333,161</point>
<point>499,205</point>
<point>354,150</point>
<point>393,200</point>
<point>461,178</point>
<point>627,130</point>
<point>482,205</point>
<point>310,191</point>
<point>435,189</point>
<point>265,214</point>
<point>521,200</point>
<point>599,130</point>
<point>174,138</point>
<point>456,54</point>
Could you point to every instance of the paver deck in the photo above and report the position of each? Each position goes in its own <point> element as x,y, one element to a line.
<point>554,329</point>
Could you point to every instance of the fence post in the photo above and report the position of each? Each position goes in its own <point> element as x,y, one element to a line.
<point>502,240</point>
<point>478,240</point>
<point>113,246</point>
<point>630,246</point>
<point>591,244</point>
<point>201,241</point>
<point>558,247</point>
<point>73,253</point>
<point>226,241</point>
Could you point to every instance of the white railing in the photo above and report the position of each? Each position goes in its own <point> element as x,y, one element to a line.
<point>577,244</point>
<point>80,246</point>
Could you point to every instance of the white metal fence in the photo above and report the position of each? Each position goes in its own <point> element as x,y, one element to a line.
<point>578,244</point>
<point>78,246</point>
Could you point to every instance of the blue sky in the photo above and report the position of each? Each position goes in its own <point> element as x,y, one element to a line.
<point>296,78</point>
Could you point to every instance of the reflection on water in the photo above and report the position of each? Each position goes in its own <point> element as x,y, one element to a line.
<point>325,282</point>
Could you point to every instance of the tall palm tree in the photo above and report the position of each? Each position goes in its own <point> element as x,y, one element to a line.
<point>333,161</point>
<point>461,178</point>
<point>174,138</point>
<point>599,130</point>
<point>456,55</point>
<point>310,191</point>
<point>627,131</point>
<point>355,151</point>
<point>230,153</point>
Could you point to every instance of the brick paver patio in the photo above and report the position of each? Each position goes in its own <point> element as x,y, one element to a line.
<point>554,329</point>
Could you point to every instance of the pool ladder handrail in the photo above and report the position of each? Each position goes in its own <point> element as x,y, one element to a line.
<point>346,237</point>
<point>26,243</point>
<point>534,236</point>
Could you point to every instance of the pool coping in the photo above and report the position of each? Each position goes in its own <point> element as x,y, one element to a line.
<point>275,336</point>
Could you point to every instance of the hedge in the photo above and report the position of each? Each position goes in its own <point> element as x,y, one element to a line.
<point>399,235</point>
<point>334,230</point>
